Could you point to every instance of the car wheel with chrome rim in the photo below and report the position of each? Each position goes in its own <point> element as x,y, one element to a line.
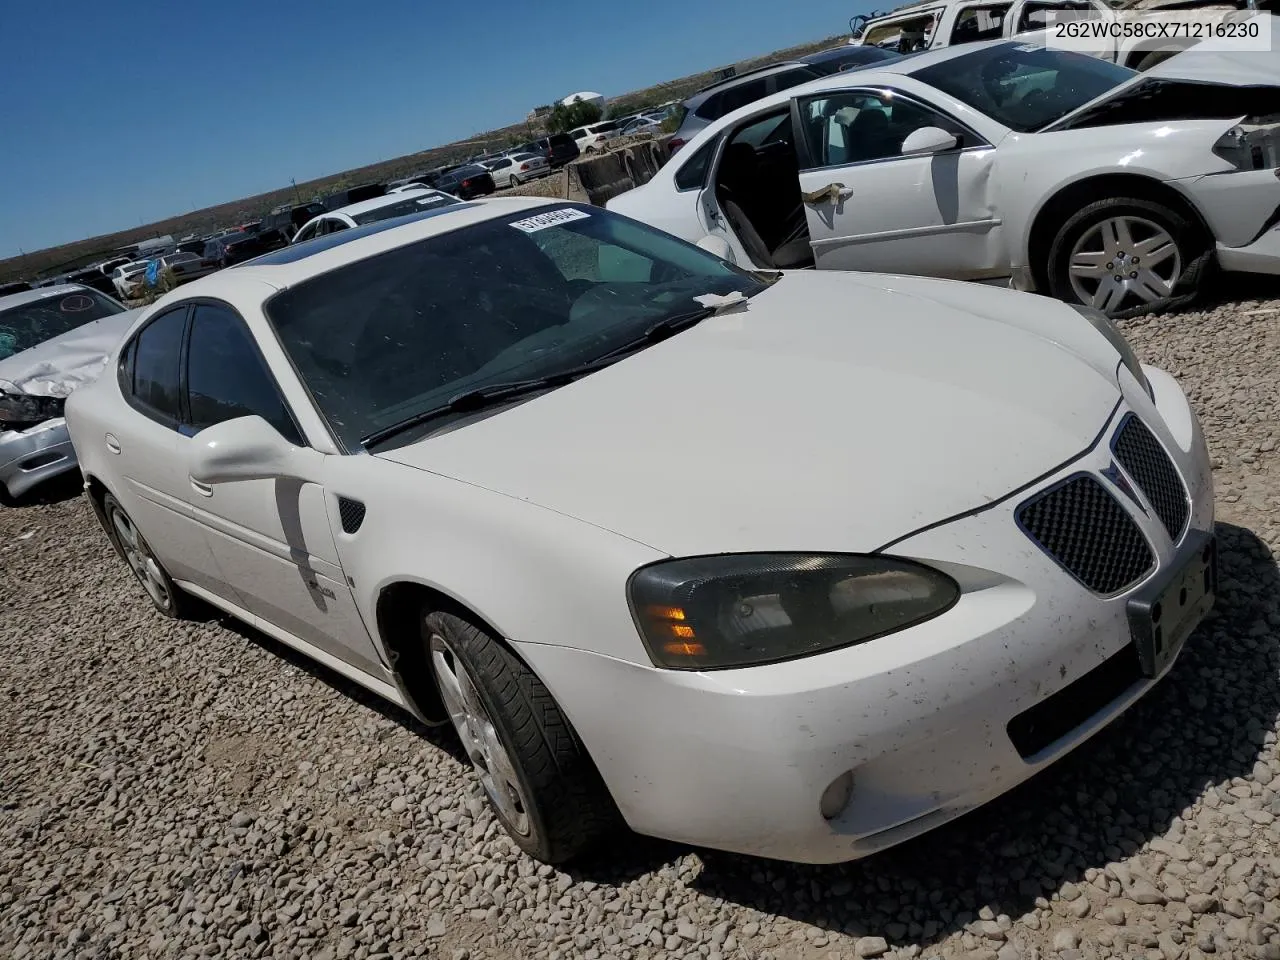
<point>538,778</point>
<point>166,596</point>
<point>1127,257</point>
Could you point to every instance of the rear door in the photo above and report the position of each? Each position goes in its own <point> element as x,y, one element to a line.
<point>271,540</point>
<point>869,206</point>
<point>148,446</point>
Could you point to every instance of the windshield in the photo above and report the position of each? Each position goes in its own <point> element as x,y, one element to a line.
<point>527,295</point>
<point>404,207</point>
<point>1022,86</point>
<point>31,324</point>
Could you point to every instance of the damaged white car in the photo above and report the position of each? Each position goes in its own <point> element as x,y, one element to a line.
<point>795,565</point>
<point>52,340</point>
<point>1053,171</point>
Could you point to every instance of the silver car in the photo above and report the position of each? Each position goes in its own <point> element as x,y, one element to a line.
<point>52,340</point>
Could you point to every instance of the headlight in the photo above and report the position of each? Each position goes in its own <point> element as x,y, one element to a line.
<point>19,410</point>
<point>1102,323</point>
<point>708,613</point>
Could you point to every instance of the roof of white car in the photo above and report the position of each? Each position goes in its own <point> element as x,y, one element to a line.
<point>39,293</point>
<point>296,263</point>
<point>364,206</point>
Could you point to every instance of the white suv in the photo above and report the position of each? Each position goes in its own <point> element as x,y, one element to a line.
<point>590,138</point>
<point>932,24</point>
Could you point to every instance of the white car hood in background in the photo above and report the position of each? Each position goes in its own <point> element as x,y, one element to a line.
<point>829,413</point>
<point>58,366</point>
<point>1242,67</point>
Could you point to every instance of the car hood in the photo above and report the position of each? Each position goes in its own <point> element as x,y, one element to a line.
<point>1243,67</point>
<point>833,411</point>
<point>58,366</point>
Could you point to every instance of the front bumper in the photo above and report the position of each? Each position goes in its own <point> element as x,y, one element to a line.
<point>1261,256</point>
<point>29,457</point>
<point>739,760</point>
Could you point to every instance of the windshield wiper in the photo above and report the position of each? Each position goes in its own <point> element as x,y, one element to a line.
<point>495,393</point>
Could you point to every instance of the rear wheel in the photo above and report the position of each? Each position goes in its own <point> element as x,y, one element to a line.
<point>513,182</point>
<point>1126,257</point>
<point>538,777</point>
<point>166,596</point>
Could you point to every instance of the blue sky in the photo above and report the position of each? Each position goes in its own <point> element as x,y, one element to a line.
<point>115,115</point>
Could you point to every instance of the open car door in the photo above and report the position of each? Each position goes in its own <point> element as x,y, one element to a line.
<point>892,184</point>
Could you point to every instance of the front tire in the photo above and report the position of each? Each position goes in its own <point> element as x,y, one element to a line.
<point>540,782</point>
<point>166,596</point>
<point>1149,60</point>
<point>1128,257</point>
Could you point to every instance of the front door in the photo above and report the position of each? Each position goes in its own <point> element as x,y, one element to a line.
<point>270,539</point>
<point>871,207</point>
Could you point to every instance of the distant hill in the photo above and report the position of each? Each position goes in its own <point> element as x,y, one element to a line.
<point>71,255</point>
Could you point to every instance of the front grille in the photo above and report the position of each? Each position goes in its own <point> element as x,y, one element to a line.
<point>1085,529</point>
<point>1053,718</point>
<point>1144,459</point>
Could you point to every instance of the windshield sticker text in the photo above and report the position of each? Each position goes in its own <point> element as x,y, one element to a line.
<point>551,219</point>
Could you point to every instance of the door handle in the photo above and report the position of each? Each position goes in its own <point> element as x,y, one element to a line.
<point>831,193</point>
<point>112,444</point>
<point>204,489</point>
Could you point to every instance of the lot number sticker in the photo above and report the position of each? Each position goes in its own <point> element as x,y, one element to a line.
<point>551,219</point>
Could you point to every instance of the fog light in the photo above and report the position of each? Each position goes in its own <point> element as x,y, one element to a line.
<point>836,797</point>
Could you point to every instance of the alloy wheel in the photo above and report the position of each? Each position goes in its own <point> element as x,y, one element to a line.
<point>141,562</point>
<point>479,736</point>
<point>1122,259</point>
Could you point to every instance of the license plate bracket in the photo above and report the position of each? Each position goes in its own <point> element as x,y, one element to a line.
<point>1165,612</point>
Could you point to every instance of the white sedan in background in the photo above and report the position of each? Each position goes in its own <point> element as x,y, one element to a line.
<point>514,169</point>
<point>130,279</point>
<point>52,341</point>
<point>1055,171</point>
<point>398,203</point>
<point>187,266</point>
<point>595,496</point>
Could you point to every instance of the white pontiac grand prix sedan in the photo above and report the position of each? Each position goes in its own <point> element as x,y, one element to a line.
<point>1046,170</point>
<point>796,565</point>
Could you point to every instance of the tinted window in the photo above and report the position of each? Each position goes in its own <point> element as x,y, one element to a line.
<point>980,23</point>
<point>1025,88</point>
<point>155,364</point>
<point>694,173</point>
<point>227,377</point>
<point>739,96</point>
<point>785,81</point>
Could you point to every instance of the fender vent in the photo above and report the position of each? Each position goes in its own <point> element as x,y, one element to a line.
<point>351,513</point>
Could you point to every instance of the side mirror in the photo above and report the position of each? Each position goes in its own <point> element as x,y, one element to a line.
<point>249,448</point>
<point>928,140</point>
<point>717,245</point>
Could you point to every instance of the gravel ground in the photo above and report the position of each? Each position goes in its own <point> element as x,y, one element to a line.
<point>197,790</point>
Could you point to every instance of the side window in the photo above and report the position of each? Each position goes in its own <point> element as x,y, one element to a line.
<point>227,377</point>
<point>741,95</point>
<point>980,23</point>
<point>855,127</point>
<point>1036,15</point>
<point>155,354</point>
<point>694,173</point>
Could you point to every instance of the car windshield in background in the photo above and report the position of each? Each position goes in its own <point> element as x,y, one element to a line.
<point>533,294</point>
<point>1025,87</point>
<point>31,324</point>
<point>404,208</point>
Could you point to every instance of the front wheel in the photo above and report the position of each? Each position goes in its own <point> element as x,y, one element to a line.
<point>1128,257</point>
<point>539,779</point>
